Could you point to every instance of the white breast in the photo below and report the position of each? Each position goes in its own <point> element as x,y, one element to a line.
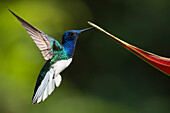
<point>60,65</point>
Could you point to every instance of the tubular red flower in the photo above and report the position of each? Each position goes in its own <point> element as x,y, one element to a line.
<point>159,62</point>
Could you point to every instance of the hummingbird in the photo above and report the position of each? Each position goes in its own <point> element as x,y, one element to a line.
<point>58,57</point>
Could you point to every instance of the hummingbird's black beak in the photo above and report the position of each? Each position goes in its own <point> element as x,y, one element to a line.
<point>81,31</point>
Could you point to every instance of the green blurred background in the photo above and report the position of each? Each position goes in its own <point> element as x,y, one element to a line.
<point>104,77</point>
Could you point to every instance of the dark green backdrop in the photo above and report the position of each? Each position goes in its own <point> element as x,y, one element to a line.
<point>103,77</point>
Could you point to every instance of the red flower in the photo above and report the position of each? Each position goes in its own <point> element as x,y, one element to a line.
<point>161,63</point>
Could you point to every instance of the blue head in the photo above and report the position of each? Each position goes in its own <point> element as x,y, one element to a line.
<point>69,40</point>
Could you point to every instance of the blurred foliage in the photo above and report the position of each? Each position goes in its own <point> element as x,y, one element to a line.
<point>104,77</point>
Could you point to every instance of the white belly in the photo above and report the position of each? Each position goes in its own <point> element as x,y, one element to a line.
<point>59,66</point>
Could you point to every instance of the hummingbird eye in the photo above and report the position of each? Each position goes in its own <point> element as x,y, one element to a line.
<point>71,33</point>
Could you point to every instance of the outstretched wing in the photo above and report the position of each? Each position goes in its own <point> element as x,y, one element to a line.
<point>43,41</point>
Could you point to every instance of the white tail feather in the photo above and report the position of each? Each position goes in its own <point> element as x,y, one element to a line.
<point>41,88</point>
<point>47,86</point>
<point>57,80</point>
<point>39,99</point>
<point>45,94</point>
<point>51,86</point>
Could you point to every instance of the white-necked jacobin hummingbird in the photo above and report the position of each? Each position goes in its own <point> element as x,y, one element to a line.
<point>58,58</point>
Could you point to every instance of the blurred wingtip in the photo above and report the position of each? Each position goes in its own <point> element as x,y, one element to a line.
<point>15,14</point>
<point>11,12</point>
